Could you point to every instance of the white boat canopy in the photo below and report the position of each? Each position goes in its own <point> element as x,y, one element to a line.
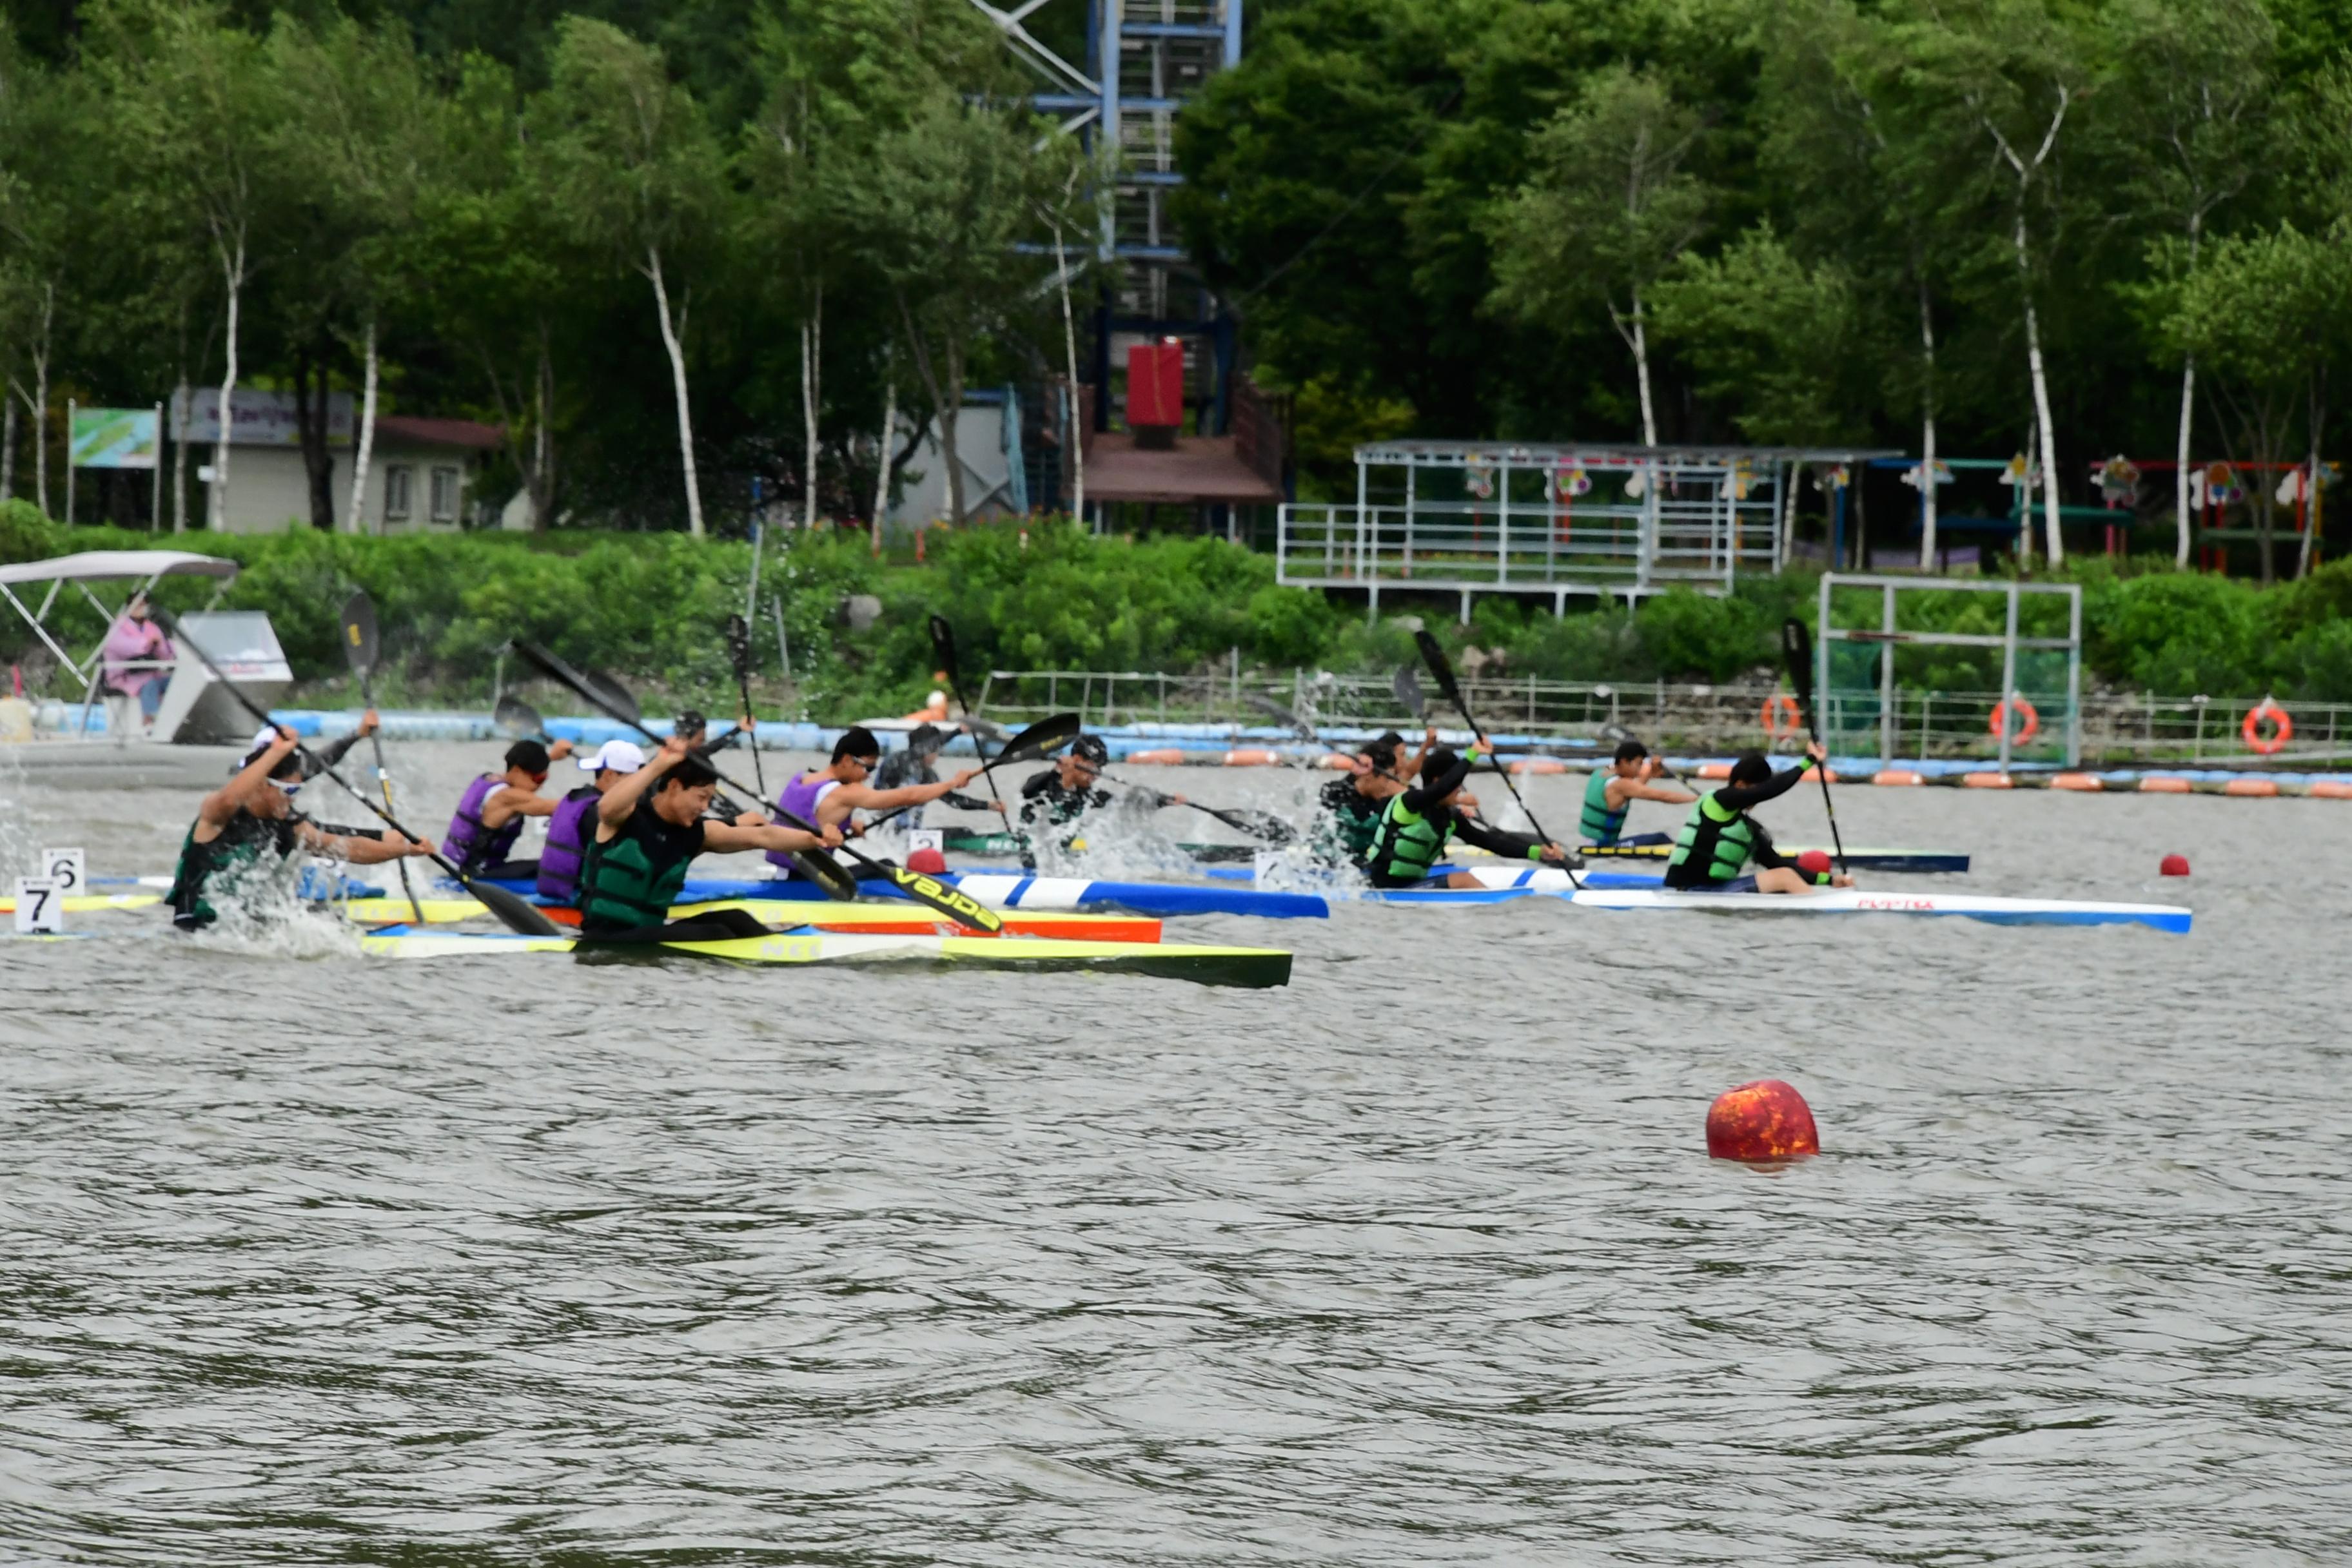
<point>143,567</point>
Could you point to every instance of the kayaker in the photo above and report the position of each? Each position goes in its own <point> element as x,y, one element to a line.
<point>318,761</point>
<point>650,825</point>
<point>1610,792</point>
<point>254,814</point>
<point>694,729</point>
<point>1418,822</point>
<point>1053,799</point>
<point>934,710</point>
<point>1719,840</point>
<point>572,823</point>
<point>489,815</point>
<point>1351,803</point>
<point>826,796</point>
<point>918,764</point>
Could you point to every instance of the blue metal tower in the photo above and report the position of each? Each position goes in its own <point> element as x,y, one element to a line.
<point>1143,59</point>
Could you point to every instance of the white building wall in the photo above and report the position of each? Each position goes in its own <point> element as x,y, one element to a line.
<point>269,490</point>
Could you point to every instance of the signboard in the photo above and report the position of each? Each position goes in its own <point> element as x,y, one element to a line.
<point>255,418</point>
<point>40,909</point>
<point>114,438</point>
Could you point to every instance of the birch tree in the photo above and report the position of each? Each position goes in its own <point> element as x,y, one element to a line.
<point>199,103</point>
<point>1608,209</point>
<point>2012,74</point>
<point>2190,129</point>
<point>633,164</point>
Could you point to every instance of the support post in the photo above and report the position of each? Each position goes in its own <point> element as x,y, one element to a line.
<point>70,462</point>
<point>2074,677</point>
<point>1886,677</point>
<point>1822,707</point>
<point>2007,675</point>
<point>155,504</point>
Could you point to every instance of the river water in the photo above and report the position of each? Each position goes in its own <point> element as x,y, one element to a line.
<point>310,1258</point>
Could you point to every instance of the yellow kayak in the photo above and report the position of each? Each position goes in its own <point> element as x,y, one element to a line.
<point>90,903</point>
<point>1241,966</point>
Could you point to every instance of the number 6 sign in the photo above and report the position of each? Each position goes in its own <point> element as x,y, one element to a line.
<point>66,869</point>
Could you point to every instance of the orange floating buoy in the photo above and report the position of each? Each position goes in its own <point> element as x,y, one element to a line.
<point>1538,765</point>
<point>1252,757</point>
<point>1767,1119</point>
<point>2173,866</point>
<point>2166,786</point>
<point>2330,789</point>
<point>1166,756</point>
<point>1897,778</point>
<point>1715,770</point>
<point>1336,762</point>
<point>2090,783</point>
<point>2267,728</point>
<point>2262,789</point>
<point>1987,780</point>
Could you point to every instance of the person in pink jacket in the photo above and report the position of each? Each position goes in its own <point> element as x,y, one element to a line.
<point>134,648</point>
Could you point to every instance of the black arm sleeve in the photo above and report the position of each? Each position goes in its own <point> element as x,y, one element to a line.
<point>1748,797</point>
<point>1510,845</point>
<point>1420,798</point>
<point>964,802</point>
<point>1037,784</point>
<point>328,755</point>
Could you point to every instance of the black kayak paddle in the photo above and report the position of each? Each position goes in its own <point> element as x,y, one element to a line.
<point>359,647</point>
<point>1796,652</point>
<point>1443,668</point>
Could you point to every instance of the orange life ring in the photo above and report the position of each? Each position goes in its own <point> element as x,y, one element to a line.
<point>2283,728</point>
<point>1780,714</point>
<point>2000,721</point>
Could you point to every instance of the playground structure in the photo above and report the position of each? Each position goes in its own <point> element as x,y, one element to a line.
<point>1560,520</point>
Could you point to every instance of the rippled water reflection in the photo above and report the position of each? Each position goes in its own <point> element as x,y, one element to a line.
<point>1418,1260</point>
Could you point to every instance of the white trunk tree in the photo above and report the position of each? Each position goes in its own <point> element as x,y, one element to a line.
<point>672,334</point>
<point>811,357</point>
<point>357,513</point>
<point>2026,173</point>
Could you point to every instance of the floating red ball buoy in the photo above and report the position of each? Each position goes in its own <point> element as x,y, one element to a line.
<point>928,861</point>
<point>2174,866</point>
<point>1813,862</point>
<point>1767,1119</point>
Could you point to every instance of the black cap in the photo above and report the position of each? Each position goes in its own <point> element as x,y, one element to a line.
<point>528,756</point>
<point>1090,748</point>
<point>857,741</point>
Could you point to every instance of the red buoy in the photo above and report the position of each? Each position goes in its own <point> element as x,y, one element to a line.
<point>2174,866</point>
<point>928,861</point>
<point>1813,862</point>
<point>1767,1119</point>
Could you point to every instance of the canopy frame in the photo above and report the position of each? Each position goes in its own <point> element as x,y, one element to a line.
<point>143,567</point>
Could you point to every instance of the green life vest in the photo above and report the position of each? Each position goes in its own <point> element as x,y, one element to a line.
<point>229,857</point>
<point>1716,838</point>
<point>1599,824</point>
<point>631,882</point>
<point>1406,843</point>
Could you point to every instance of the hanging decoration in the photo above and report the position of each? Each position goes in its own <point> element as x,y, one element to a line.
<point>1910,476</point>
<point>1478,478</point>
<point>1564,484</point>
<point>2118,482</point>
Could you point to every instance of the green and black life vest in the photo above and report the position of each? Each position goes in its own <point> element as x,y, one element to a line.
<point>1351,821</point>
<point>1406,843</point>
<point>1599,824</point>
<point>631,882</point>
<point>1714,838</point>
<point>228,857</point>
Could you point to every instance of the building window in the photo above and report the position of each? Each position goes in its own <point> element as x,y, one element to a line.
<point>445,495</point>
<point>397,477</point>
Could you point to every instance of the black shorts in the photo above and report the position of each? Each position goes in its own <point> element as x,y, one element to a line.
<point>717,925</point>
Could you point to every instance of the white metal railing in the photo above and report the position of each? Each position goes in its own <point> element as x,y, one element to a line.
<point>1710,719</point>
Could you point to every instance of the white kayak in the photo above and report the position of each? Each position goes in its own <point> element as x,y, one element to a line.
<point>1864,901</point>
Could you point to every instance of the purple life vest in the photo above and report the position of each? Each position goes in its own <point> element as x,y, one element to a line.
<point>800,798</point>
<point>568,832</point>
<point>468,843</point>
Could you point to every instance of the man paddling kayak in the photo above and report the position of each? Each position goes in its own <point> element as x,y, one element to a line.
<point>1053,799</point>
<point>649,827</point>
<point>326,756</point>
<point>253,813</point>
<point>1351,804</point>
<point>1417,823</point>
<point>1719,840</point>
<point>489,815</point>
<point>572,824</point>
<point>918,764</point>
<point>827,795</point>
<point>1610,791</point>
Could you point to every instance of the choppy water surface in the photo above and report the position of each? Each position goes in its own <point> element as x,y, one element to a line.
<point>311,1257</point>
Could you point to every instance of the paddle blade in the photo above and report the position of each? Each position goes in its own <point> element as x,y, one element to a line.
<point>517,720</point>
<point>943,648</point>
<point>612,694</point>
<point>957,905</point>
<point>738,647</point>
<point>1440,666</point>
<point>1407,687</point>
<point>602,690</point>
<point>832,877</point>
<point>517,913</point>
<point>1256,824</point>
<point>1796,652</point>
<point>1042,739</point>
<point>358,633</point>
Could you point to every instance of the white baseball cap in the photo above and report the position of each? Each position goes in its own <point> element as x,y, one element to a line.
<point>614,756</point>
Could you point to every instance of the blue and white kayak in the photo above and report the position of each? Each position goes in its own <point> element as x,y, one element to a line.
<point>1013,891</point>
<point>1866,901</point>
